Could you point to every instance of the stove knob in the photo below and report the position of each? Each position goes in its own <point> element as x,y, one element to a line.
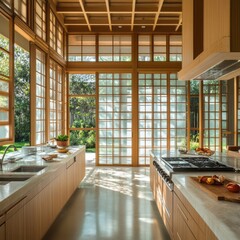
<point>167,178</point>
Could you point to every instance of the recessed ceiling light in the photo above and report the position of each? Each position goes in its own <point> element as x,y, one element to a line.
<point>143,26</point>
<point>119,26</point>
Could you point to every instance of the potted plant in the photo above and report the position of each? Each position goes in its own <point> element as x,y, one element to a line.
<point>62,140</point>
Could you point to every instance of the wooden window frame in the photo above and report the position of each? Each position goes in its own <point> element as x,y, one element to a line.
<point>19,11</point>
<point>42,15</point>
<point>10,94</point>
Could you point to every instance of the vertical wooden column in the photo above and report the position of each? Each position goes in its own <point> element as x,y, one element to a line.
<point>33,92</point>
<point>47,96</point>
<point>236,80</point>
<point>201,114</point>
<point>135,101</point>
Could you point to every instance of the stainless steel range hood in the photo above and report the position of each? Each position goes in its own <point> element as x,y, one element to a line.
<point>216,66</point>
<point>220,70</point>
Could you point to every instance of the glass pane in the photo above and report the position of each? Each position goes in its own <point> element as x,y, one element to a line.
<point>4,132</point>
<point>4,102</point>
<point>4,116</point>
<point>4,63</point>
<point>82,84</point>
<point>4,86</point>
<point>82,112</point>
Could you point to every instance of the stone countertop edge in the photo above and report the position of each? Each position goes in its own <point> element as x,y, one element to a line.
<point>222,217</point>
<point>13,192</point>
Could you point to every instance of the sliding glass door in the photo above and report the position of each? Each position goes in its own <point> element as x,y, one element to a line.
<point>115,118</point>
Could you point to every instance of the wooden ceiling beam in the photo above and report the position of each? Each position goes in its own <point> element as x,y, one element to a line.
<point>133,14</point>
<point>85,14</point>
<point>179,23</point>
<point>160,3</point>
<point>109,15</point>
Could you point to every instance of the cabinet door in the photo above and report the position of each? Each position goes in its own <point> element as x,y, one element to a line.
<point>2,231</point>
<point>46,215</point>
<point>38,214</point>
<point>181,229</point>
<point>167,207</point>
<point>59,193</point>
<point>70,178</point>
<point>32,218</point>
<point>15,222</point>
<point>80,168</point>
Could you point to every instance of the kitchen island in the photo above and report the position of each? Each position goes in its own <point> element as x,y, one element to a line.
<point>29,206</point>
<point>192,212</point>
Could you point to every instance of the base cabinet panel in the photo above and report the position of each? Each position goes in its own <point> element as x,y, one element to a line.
<point>2,231</point>
<point>30,218</point>
<point>15,222</point>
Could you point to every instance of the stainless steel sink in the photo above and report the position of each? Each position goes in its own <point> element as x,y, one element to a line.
<point>5,179</point>
<point>29,169</point>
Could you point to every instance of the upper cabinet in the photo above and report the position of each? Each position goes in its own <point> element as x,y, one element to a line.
<point>211,39</point>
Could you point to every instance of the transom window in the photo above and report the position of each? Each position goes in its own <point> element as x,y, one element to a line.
<point>40,19</point>
<point>159,48</point>
<point>20,7</point>
<point>116,48</point>
<point>82,48</point>
<point>175,48</point>
<point>52,33</point>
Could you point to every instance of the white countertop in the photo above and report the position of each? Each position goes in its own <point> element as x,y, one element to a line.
<point>16,190</point>
<point>222,217</point>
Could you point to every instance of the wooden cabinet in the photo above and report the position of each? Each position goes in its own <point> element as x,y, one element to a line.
<point>32,212</point>
<point>2,227</point>
<point>2,231</point>
<point>187,224</point>
<point>15,222</point>
<point>59,192</point>
<point>179,217</point>
<point>80,168</point>
<point>70,177</point>
<point>167,209</point>
<point>163,197</point>
<point>31,217</point>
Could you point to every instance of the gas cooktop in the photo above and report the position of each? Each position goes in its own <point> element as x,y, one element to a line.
<point>194,164</point>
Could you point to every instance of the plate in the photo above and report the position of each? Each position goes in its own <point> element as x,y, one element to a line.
<point>205,153</point>
<point>62,150</point>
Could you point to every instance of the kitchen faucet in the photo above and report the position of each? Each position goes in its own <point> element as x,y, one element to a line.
<point>1,160</point>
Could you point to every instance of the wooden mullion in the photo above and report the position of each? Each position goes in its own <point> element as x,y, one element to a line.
<point>33,93</point>
<point>236,106</point>
<point>201,108</point>
<point>135,110</point>
<point>97,120</point>
<point>47,97</point>
<point>220,116</point>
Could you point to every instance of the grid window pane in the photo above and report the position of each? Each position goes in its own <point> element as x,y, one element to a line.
<point>41,95</point>
<point>144,48</point>
<point>117,48</point>
<point>40,19</point>
<point>82,48</point>
<point>20,8</point>
<point>175,48</point>
<point>115,114</point>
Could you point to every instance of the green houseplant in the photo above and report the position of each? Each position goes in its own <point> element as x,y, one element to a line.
<point>62,140</point>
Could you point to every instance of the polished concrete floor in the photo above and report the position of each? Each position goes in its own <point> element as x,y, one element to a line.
<point>111,203</point>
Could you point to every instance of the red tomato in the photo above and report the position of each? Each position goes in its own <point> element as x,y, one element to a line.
<point>233,187</point>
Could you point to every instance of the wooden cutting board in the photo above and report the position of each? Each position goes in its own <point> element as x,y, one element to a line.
<point>219,192</point>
